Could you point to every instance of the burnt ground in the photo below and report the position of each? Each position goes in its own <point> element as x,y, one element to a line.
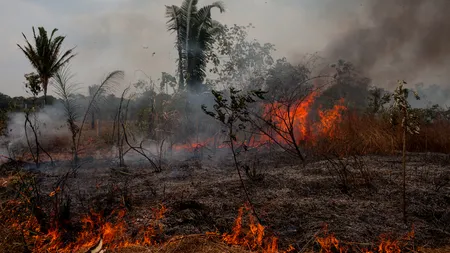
<point>292,200</point>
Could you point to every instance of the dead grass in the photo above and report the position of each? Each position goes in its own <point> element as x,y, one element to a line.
<point>293,201</point>
<point>366,134</point>
<point>196,243</point>
<point>438,250</point>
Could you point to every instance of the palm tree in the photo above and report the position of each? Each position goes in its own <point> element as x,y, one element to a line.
<point>45,56</point>
<point>195,30</point>
<point>175,24</point>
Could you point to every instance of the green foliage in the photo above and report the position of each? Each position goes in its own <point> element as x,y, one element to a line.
<point>33,83</point>
<point>409,119</point>
<point>284,79</point>
<point>65,89</point>
<point>378,98</point>
<point>45,56</point>
<point>246,60</point>
<point>350,85</point>
<point>196,31</point>
<point>167,80</point>
<point>3,121</point>
<point>233,112</point>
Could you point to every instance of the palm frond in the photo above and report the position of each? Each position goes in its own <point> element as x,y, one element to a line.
<point>53,33</point>
<point>112,79</point>
<point>176,24</point>
<point>64,59</point>
<point>45,55</point>
<point>65,88</point>
<point>189,9</point>
<point>173,13</point>
<point>204,13</point>
<point>196,32</point>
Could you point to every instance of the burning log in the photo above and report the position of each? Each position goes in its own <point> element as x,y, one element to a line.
<point>97,248</point>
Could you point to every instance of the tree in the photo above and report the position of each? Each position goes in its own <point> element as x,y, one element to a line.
<point>65,89</point>
<point>33,83</point>
<point>196,31</point>
<point>378,98</point>
<point>175,24</point>
<point>285,80</point>
<point>244,61</point>
<point>233,115</point>
<point>45,56</point>
<point>167,80</point>
<point>350,84</point>
<point>409,124</point>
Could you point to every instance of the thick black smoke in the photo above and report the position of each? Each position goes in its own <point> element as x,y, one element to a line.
<point>402,39</point>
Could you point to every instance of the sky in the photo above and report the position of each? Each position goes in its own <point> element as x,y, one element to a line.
<point>112,34</point>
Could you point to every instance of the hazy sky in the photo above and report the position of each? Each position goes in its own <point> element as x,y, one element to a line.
<point>110,34</point>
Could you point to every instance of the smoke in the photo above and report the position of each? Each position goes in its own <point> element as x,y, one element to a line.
<point>49,124</point>
<point>401,39</point>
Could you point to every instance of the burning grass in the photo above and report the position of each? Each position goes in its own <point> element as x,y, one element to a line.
<point>356,193</point>
<point>112,231</point>
<point>293,204</point>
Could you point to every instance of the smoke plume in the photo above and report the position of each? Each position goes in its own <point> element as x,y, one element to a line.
<point>402,39</point>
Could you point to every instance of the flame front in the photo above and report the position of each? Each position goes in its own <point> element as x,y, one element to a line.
<point>253,237</point>
<point>290,122</point>
<point>113,233</point>
<point>329,244</point>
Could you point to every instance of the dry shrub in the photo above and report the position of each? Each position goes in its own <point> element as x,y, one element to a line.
<point>434,137</point>
<point>196,243</point>
<point>350,172</point>
<point>368,134</point>
<point>100,138</point>
<point>359,135</point>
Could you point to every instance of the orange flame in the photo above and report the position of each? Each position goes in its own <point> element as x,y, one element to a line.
<point>253,237</point>
<point>113,233</point>
<point>292,121</point>
<point>328,244</point>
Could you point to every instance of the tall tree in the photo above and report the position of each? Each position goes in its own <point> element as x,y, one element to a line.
<point>175,24</point>
<point>45,56</point>
<point>195,30</point>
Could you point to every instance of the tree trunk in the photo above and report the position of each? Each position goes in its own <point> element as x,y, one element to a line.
<point>180,66</point>
<point>44,87</point>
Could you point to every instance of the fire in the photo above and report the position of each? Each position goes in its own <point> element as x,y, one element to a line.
<point>329,119</point>
<point>94,229</point>
<point>329,244</point>
<point>253,237</point>
<point>292,121</point>
<point>192,146</point>
<point>290,117</point>
<point>247,233</point>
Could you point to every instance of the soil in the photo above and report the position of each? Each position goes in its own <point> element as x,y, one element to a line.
<point>294,201</point>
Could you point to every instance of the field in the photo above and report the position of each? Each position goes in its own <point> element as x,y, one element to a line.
<point>203,193</point>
